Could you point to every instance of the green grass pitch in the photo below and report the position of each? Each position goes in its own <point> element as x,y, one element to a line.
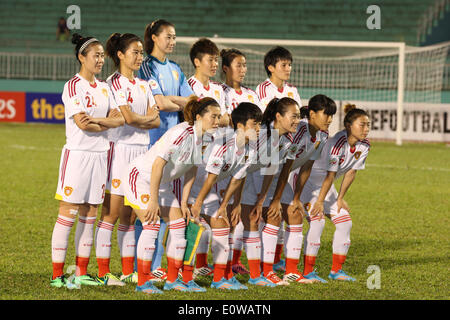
<point>400,207</point>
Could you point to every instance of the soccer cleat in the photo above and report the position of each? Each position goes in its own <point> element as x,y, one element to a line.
<point>314,276</point>
<point>237,283</point>
<point>297,277</point>
<point>58,282</point>
<point>261,281</point>
<point>194,287</point>
<point>224,284</point>
<point>131,278</point>
<point>340,275</point>
<point>204,271</point>
<point>239,268</point>
<point>85,280</point>
<point>177,285</point>
<point>148,288</point>
<point>280,266</point>
<point>109,280</point>
<point>159,273</point>
<point>272,277</point>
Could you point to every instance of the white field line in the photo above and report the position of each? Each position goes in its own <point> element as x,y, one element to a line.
<point>388,166</point>
<point>22,147</point>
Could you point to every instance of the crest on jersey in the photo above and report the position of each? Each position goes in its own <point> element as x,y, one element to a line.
<point>216,164</point>
<point>333,161</point>
<point>250,98</point>
<point>175,74</point>
<point>293,149</point>
<point>105,92</point>
<point>145,198</point>
<point>217,94</point>
<point>115,183</point>
<point>121,95</point>
<point>316,145</point>
<point>76,101</point>
<point>153,84</point>
<point>142,88</point>
<point>291,95</point>
<point>357,155</point>
<point>68,191</point>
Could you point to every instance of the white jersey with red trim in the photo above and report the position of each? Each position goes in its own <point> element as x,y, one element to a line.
<point>233,97</point>
<point>179,146</point>
<point>137,94</point>
<point>267,90</point>
<point>213,90</point>
<point>305,147</point>
<point>96,101</point>
<point>339,157</point>
<point>271,152</point>
<point>228,159</point>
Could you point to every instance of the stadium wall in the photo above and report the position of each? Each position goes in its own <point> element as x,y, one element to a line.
<point>40,101</point>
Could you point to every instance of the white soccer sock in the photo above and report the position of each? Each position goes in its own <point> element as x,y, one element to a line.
<point>84,236</point>
<point>269,238</point>
<point>147,241</point>
<point>341,238</point>
<point>60,238</point>
<point>237,236</point>
<point>126,240</point>
<point>293,241</point>
<point>103,235</point>
<point>312,239</point>
<point>252,245</point>
<point>219,245</point>
<point>176,242</point>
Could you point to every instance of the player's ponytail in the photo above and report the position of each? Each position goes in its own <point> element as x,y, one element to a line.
<point>196,106</point>
<point>82,44</point>
<point>352,113</point>
<point>276,106</point>
<point>154,28</point>
<point>119,42</point>
<point>317,103</point>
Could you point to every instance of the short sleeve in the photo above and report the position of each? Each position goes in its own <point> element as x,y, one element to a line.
<point>215,161</point>
<point>112,101</point>
<point>73,104</point>
<point>150,98</point>
<point>360,163</point>
<point>154,86</point>
<point>120,96</point>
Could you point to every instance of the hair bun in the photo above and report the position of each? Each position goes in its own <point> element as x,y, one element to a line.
<point>348,107</point>
<point>76,38</point>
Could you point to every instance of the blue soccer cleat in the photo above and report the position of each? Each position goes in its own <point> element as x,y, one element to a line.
<point>314,276</point>
<point>194,287</point>
<point>177,285</point>
<point>148,288</point>
<point>261,281</point>
<point>225,284</point>
<point>340,275</point>
<point>237,283</point>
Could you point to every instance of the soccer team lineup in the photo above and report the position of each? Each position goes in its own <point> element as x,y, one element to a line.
<point>191,170</point>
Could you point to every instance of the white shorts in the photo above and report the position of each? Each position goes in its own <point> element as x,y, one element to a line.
<point>82,177</point>
<point>212,201</point>
<point>311,192</point>
<point>119,156</point>
<point>253,187</point>
<point>136,189</point>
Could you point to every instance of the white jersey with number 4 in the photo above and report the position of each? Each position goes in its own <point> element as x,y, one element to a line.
<point>234,97</point>
<point>267,90</point>
<point>137,94</point>
<point>213,90</point>
<point>96,100</point>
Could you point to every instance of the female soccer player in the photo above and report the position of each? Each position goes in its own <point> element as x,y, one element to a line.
<point>308,143</point>
<point>344,154</point>
<point>89,112</point>
<point>148,189</point>
<point>135,101</point>
<point>228,158</point>
<point>171,91</point>
<point>280,120</point>
<point>234,67</point>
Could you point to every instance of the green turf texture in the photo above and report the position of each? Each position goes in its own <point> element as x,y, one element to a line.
<point>400,206</point>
